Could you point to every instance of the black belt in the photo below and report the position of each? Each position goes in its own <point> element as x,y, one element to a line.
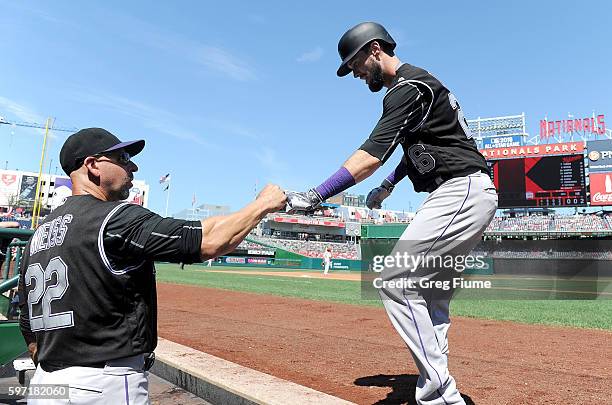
<point>437,182</point>
<point>51,367</point>
<point>149,359</point>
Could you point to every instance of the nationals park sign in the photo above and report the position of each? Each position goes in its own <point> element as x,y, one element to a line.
<point>565,148</point>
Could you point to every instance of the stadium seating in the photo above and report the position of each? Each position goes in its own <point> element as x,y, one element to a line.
<point>312,248</point>
<point>552,224</point>
<point>245,244</point>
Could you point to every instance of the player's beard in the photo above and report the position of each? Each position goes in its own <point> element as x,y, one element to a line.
<point>119,195</point>
<point>127,186</point>
<point>377,80</point>
<point>125,192</point>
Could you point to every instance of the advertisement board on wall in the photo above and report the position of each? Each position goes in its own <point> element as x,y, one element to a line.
<point>9,187</point>
<point>601,188</point>
<point>139,193</point>
<point>27,191</point>
<point>502,141</point>
<point>599,154</point>
<point>136,196</point>
<point>235,260</point>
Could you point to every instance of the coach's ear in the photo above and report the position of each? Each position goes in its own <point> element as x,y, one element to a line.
<point>91,163</point>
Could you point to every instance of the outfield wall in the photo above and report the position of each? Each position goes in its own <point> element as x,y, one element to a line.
<point>287,261</point>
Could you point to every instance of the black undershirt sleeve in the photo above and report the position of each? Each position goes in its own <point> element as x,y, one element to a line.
<point>134,233</point>
<point>404,110</point>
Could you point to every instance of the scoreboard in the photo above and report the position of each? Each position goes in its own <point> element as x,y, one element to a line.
<point>542,181</point>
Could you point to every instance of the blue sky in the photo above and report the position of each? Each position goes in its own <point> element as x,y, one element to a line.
<point>230,95</point>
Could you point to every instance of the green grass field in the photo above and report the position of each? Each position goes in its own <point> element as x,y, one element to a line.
<point>584,313</point>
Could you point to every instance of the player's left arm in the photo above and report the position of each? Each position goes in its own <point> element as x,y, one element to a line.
<point>377,195</point>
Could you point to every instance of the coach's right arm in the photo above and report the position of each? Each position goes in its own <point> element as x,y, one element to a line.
<point>221,234</point>
<point>134,232</point>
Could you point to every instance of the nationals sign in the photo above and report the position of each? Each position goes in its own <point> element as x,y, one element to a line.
<point>565,148</point>
<point>601,188</point>
<point>592,125</point>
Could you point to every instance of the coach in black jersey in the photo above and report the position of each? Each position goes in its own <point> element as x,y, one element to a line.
<point>88,308</point>
<point>440,157</point>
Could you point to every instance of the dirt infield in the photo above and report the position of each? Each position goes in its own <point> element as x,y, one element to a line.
<point>353,352</point>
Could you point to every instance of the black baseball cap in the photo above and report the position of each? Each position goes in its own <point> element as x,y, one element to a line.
<point>93,141</point>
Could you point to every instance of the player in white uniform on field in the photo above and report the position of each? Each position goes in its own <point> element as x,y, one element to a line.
<point>327,255</point>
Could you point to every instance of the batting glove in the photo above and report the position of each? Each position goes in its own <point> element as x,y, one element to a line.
<point>377,195</point>
<point>304,202</point>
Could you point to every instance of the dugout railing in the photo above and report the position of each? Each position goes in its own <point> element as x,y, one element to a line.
<point>12,242</point>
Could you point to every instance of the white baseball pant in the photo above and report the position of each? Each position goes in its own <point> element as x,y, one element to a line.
<point>451,222</point>
<point>121,381</point>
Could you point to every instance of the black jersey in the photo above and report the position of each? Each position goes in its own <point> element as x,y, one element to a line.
<point>425,118</point>
<point>88,281</point>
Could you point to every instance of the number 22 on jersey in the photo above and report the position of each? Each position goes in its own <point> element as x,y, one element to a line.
<point>44,293</point>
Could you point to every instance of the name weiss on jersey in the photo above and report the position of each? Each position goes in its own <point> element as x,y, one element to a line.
<point>50,234</point>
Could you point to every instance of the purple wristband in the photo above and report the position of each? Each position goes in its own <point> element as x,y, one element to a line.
<point>337,182</point>
<point>398,174</point>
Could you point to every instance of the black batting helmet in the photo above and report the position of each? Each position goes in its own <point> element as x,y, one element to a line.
<point>358,36</point>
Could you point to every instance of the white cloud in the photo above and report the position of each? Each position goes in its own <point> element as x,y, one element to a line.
<point>161,120</point>
<point>234,128</point>
<point>221,61</point>
<point>311,56</point>
<point>269,160</point>
<point>149,116</point>
<point>22,113</point>
<point>213,58</point>
<point>277,170</point>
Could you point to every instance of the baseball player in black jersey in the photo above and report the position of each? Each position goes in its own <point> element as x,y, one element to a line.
<point>440,158</point>
<point>87,286</point>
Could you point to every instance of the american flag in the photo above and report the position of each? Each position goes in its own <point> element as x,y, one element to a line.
<point>164,179</point>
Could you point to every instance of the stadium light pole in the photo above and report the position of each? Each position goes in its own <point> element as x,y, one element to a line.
<point>37,195</point>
